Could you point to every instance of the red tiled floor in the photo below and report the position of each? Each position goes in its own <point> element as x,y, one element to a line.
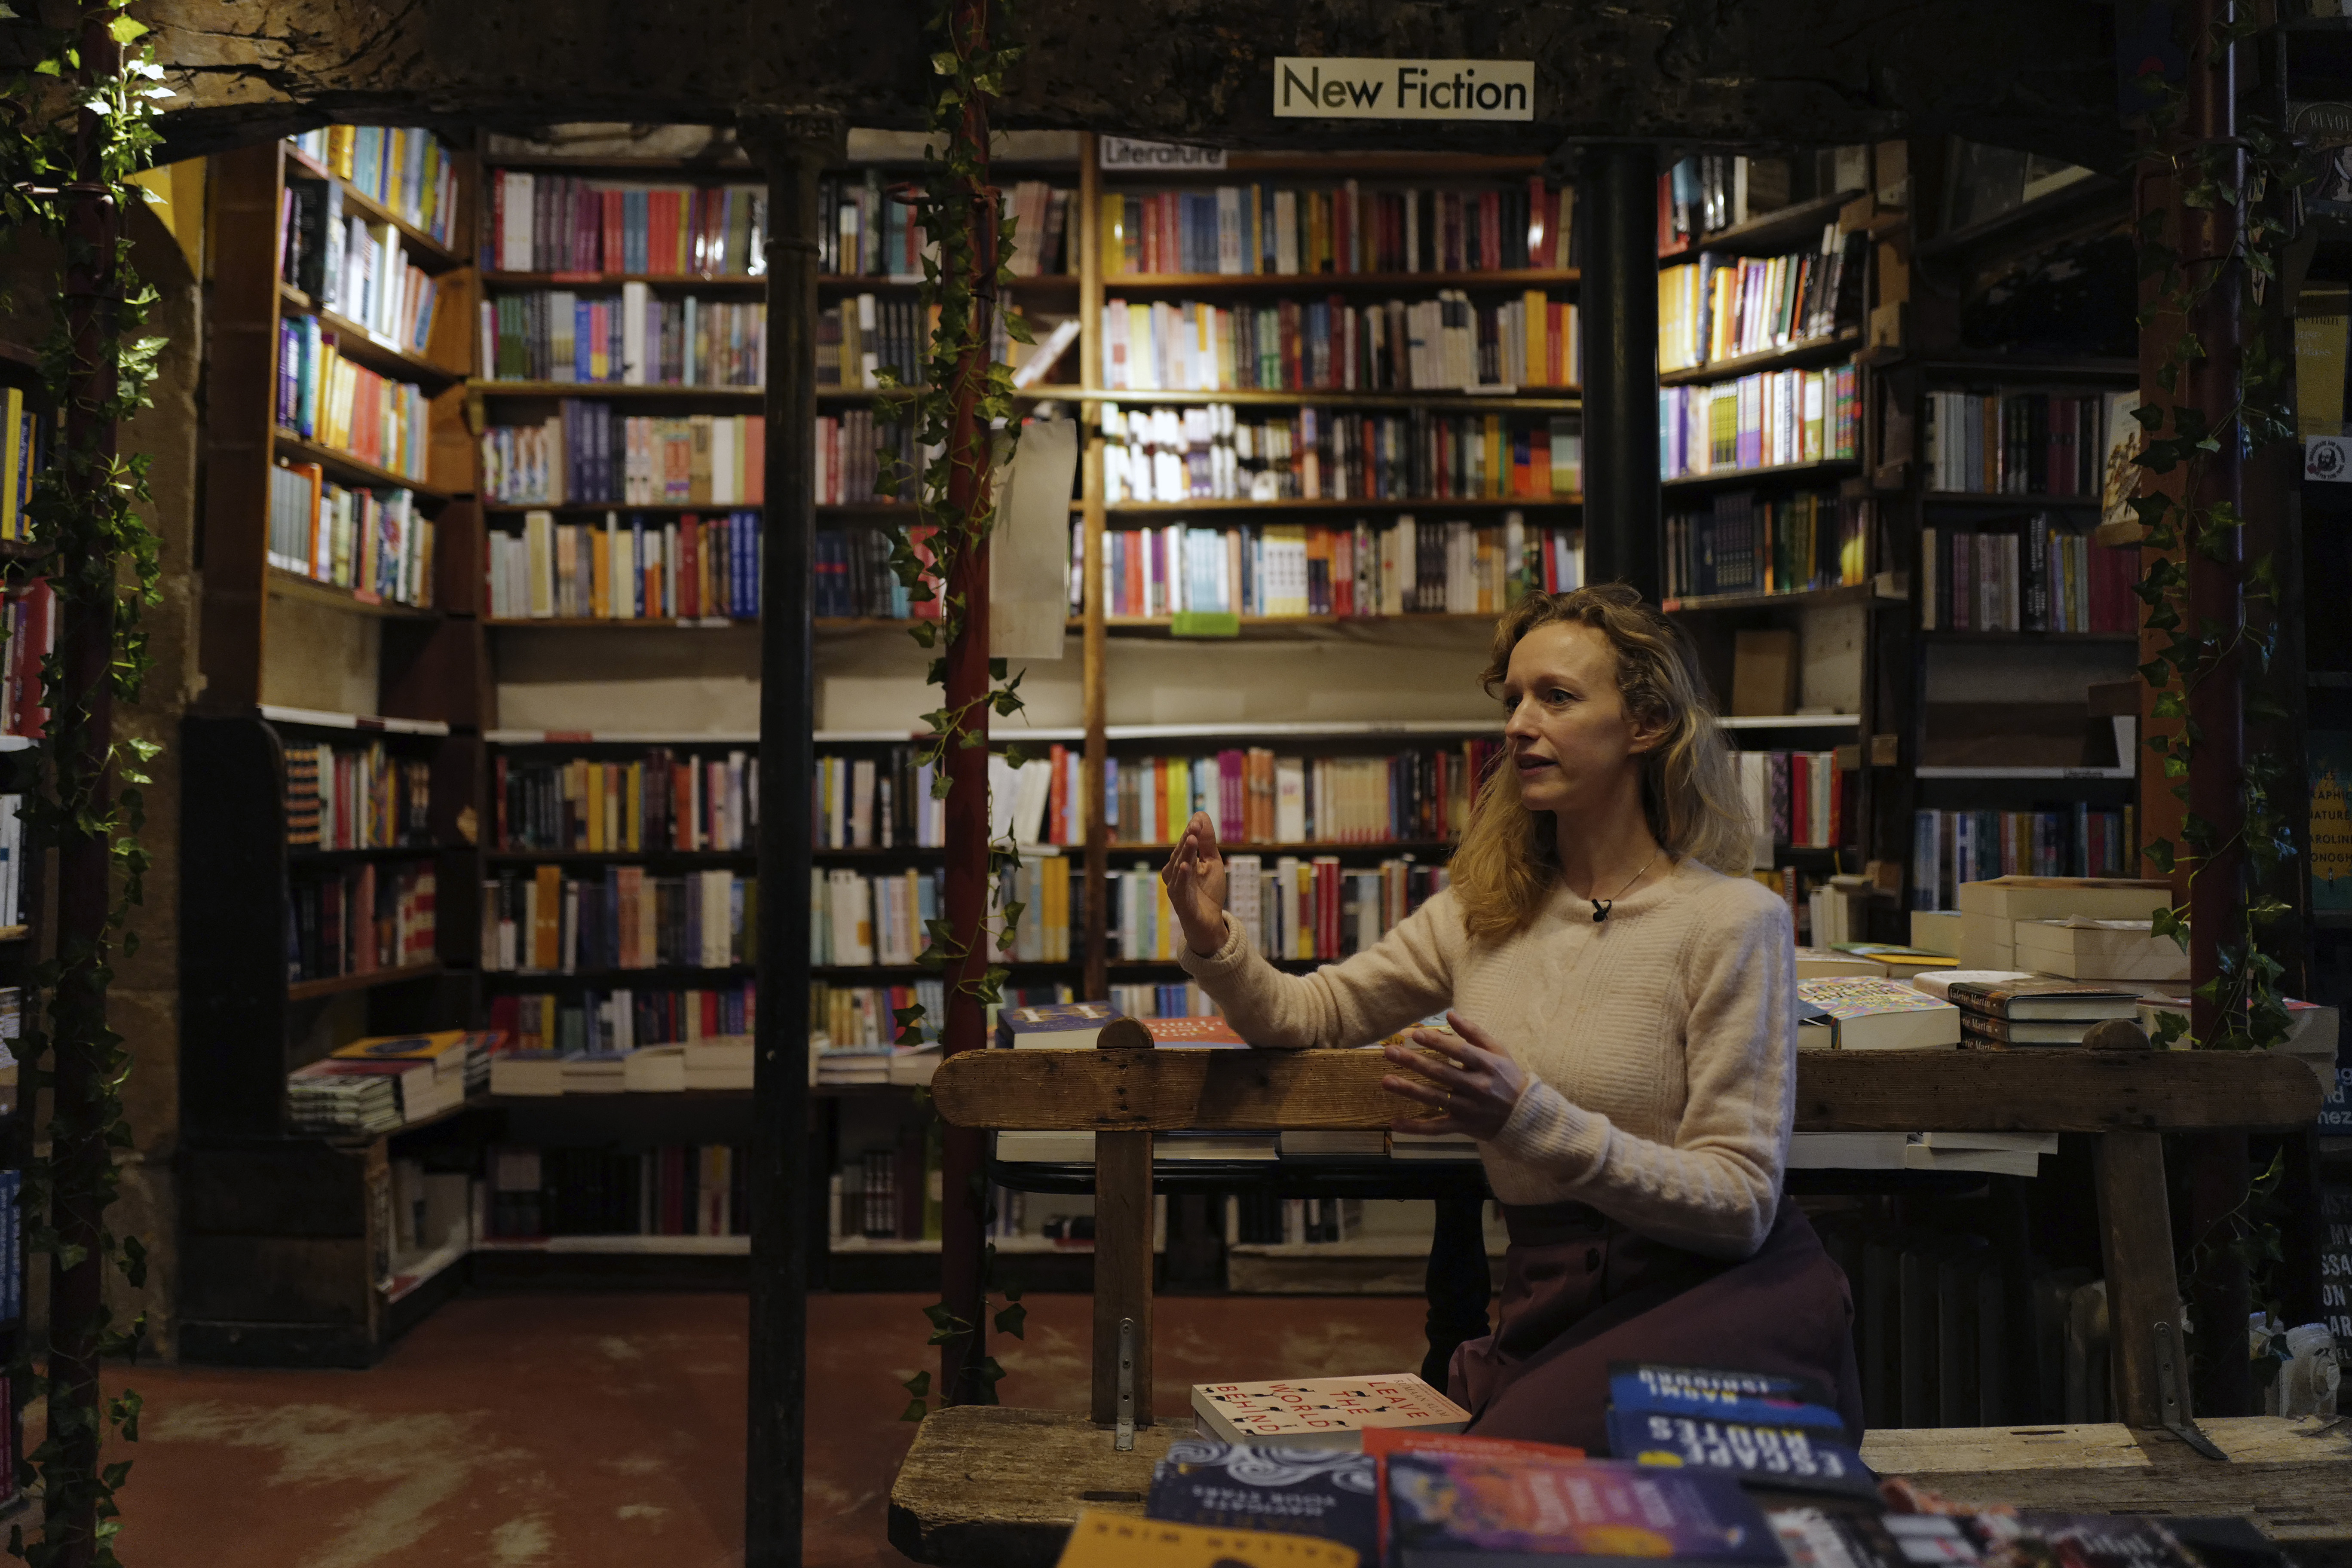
<point>587,1431</point>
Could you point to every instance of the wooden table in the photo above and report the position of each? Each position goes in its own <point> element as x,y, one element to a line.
<point>992,1487</point>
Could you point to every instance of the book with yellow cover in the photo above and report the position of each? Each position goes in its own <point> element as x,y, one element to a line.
<point>1101,1539</point>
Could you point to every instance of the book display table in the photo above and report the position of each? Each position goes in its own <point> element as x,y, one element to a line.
<point>1000,1486</point>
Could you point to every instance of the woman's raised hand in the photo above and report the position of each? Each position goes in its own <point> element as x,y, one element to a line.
<point>1196,877</point>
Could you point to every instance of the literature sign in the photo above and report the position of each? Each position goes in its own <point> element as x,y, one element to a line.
<point>1306,89</point>
<point>1125,152</point>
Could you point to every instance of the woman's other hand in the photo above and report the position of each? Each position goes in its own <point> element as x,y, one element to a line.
<point>1474,1087</point>
<point>1195,878</point>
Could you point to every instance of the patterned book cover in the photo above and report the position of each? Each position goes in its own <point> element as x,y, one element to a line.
<point>1452,1509</point>
<point>1769,1455</point>
<point>1075,1026</point>
<point>1859,995</point>
<point>1101,1539</point>
<point>1329,1411</point>
<point>1303,1491</point>
<point>1727,1395</point>
<point>1192,1032</point>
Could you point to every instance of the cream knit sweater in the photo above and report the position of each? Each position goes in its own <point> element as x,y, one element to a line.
<point>1659,1043</point>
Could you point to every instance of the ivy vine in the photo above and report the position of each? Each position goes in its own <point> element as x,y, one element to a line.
<point>966,426</point>
<point>74,130</point>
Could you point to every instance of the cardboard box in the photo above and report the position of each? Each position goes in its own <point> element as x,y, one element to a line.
<point>2099,952</point>
<point>1937,931</point>
<point>1989,909</point>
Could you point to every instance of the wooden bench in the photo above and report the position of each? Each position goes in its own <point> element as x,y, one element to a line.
<point>989,1485</point>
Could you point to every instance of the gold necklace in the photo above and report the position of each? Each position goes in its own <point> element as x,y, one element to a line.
<point>1600,907</point>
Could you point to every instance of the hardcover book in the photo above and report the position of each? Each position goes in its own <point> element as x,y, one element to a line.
<point>1068,1025</point>
<point>1873,1014</point>
<point>1456,1512</point>
<point>1328,1412</point>
<point>1726,1394</point>
<point>1762,1454</point>
<point>1166,1032</point>
<point>2044,999</point>
<point>1324,1492</point>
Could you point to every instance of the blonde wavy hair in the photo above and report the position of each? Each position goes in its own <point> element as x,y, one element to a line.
<point>1508,863</point>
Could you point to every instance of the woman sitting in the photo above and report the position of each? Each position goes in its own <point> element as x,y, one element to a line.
<point>1621,999</point>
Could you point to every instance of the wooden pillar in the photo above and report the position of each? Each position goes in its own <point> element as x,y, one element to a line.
<point>1097,749</point>
<point>2217,899</point>
<point>962,1240</point>
<point>2135,1248</point>
<point>1123,1227</point>
<point>796,149</point>
<point>1617,202</point>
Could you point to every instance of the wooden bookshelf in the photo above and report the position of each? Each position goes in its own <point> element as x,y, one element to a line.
<point>1809,352</point>
<point>1424,503</point>
<point>1769,473</point>
<point>289,661</point>
<point>1327,282</point>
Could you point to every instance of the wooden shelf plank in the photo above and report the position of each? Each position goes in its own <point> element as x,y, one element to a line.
<point>635,624</point>
<point>1844,594</point>
<point>1430,503</point>
<point>1726,477</point>
<point>499,388</point>
<point>323,719</point>
<point>2065,1090</point>
<point>1812,352</point>
<point>1279,626</point>
<point>355,342</point>
<point>349,468</point>
<point>1324,282</point>
<point>1438,400</point>
<point>285,584</point>
<point>303,990</point>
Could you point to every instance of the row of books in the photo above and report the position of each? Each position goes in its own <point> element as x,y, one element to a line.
<point>1303,569</point>
<point>29,618</point>
<point>855,579</point>
<point>2040,577</point>
<point>1949,847</point>
<point>848,456</point>
<point>326,398</point>
<point>858,338</point>
<point>1722,307</point>
<point>1794,799</point>
<point>352,267</point>
<point>690,567</point>
<point>560,223</point>
<point>357,797</point>
<point>710,1020</point>
<point>1448,344</point>
<point>1741,543</point>
<point>373,542</point>
<point>1209,453</point>
<point>881,802</point>
<point>2028,443</point>
<point>864,1017</point>
<point>867,229</point>
<point>1265,1220</point>
<point>1178,999</point>
<point>402,167</point>
<point>1420,795</point>
<point>591,453</point>
<point>857,920</point>
<point>1292,908</point>
<point>677,1189</point>
<point>888,1193</point>
<point>623,919</point>
<point>1256,229</point>
<point>664,800</point>
<point>634,337</point>
<point>360,920</point>
<point>24,439</point>
<point>1760,421</point>
<point>1709,191</point>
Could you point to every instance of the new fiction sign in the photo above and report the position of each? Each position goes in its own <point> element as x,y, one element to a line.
<point>1404,89</point>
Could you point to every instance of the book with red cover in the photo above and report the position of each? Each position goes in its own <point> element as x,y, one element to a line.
<point>1182,1033</point>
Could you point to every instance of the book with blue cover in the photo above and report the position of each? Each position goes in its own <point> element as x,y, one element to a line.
<point>1457,1511</point>
<point>1069,1025</point>
<point>1299,1491</point>
<point>1796,1459</point>
<point>1725,1394</point>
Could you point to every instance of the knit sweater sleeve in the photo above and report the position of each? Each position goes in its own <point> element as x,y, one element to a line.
<point>1405,976</point>
<point>1714,1187</point>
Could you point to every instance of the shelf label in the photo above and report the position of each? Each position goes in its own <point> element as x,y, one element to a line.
<point>1205,624</point>
<point>2327,460</point>
<point>1125,152</point>
<point>1306,89</point>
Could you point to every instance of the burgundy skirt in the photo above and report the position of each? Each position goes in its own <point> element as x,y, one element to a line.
<point>1580,1291</point>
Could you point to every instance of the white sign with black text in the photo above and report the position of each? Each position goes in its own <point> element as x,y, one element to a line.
<point>1124,153</point>
<point>1404,89</point>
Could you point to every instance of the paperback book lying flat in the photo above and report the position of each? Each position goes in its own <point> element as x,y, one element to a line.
<point>1790,1458</point>
<point>1765,1398</point>
<point>1326,1493</point>
<point>1456,1511</point>
<point>1326,1411</point>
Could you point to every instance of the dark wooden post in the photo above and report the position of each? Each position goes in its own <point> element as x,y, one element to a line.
<point>795,147</point>
<point>1618,201</point>
<point>962,1243</point>
<point>2218,1170</point>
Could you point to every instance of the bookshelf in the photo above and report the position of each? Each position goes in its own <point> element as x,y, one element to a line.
<point>328,852</point>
